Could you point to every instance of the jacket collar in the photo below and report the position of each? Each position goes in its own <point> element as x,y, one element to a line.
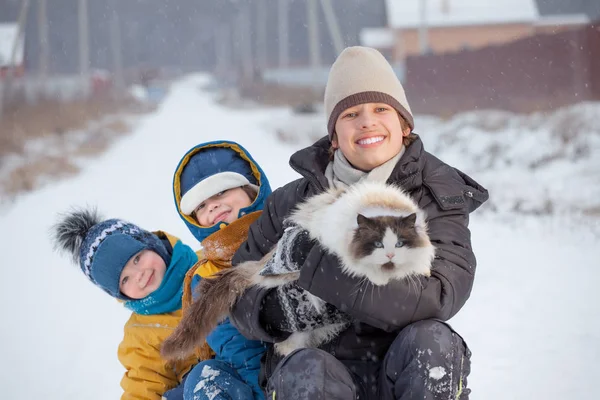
<point>312,161</point>
<point>410,171</point>
<point>220,247</point>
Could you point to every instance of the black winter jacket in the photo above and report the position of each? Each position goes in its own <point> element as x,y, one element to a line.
<point>444,193</point>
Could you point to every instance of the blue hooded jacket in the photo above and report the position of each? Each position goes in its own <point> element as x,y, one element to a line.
<point>198,164</point>
<point>208,159</point>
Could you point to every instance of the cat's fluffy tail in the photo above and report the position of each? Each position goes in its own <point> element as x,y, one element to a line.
<point>215,297</point>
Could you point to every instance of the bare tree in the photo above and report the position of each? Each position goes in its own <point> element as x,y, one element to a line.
<point>84,39</point>
<point>6,88</point>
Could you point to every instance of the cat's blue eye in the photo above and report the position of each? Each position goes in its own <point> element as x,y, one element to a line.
<point>378,244</point>
<point>399,243</point>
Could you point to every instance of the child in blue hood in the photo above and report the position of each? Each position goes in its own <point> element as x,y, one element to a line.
<point>219,191</point>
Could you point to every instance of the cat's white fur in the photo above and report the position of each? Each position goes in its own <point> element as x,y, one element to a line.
<point>331,218</point>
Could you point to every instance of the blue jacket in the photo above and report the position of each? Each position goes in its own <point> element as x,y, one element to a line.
<point>219,243</point>
<point>234,349</point>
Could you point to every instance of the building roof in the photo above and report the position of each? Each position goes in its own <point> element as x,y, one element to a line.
<point>591,8</point>
<point>407,13</point>
<point>8,33</point>
<point>563,19</point>
<point>380,38</point>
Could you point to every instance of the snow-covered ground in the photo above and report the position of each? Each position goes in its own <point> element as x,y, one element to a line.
<point>532,320</point>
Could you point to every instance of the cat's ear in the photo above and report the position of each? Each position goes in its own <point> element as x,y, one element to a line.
<point>410,220</point>
<point>361,220</point>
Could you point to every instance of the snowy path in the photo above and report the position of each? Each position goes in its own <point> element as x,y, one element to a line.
<point>531,321</point>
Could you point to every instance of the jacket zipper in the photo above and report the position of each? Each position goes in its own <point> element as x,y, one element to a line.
<point>269,362</point>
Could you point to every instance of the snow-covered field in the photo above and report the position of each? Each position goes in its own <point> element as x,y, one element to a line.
<point>543,163</point>
<point>532,320</point>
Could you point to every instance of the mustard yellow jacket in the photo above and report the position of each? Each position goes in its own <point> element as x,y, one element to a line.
<point>147,375</point>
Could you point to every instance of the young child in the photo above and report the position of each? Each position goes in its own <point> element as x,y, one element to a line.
<point>147,271</point>
<point>219,191</point>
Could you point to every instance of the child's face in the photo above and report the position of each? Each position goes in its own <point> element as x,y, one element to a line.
<point>222,207</point>
<point>142,274</point>
<point>369,134</point>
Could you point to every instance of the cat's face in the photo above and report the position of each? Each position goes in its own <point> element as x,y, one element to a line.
<point>384,247</point>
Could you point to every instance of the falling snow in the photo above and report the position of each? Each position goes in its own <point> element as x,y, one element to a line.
<point>530,269</point>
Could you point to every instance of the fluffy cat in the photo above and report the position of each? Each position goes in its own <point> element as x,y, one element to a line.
<point>377,232</point>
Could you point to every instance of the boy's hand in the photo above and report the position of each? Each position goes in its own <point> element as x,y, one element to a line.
<point>290,253</point>
<point>299,313</point>
<point>290,308</point>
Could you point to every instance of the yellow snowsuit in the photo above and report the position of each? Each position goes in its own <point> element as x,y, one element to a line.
<point>147,375</point>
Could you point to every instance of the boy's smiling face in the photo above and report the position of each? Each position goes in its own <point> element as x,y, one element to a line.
<point>369,134</point>
<point>222,207</point>
<point>142,274</point>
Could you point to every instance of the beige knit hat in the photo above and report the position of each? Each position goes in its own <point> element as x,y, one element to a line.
<point>362,75</point>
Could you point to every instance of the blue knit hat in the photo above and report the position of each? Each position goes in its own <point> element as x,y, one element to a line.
<point>102,248</point>
<point>210,171</point>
